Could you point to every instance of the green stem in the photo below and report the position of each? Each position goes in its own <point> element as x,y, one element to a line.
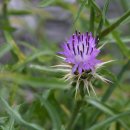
<point>92,17</point>
<point>79,102</point>
<point>115,25</point>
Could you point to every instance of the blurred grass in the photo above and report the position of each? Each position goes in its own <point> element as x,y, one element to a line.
<point>33,96</point>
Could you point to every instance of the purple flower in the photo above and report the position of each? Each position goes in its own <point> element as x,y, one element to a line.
<point>80,63</point>
<point>80,50</point>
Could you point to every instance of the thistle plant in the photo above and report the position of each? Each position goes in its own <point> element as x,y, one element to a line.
<point>80,61</point>
<point>32,96</point>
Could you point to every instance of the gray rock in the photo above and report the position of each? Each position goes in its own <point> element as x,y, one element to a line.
<point>57,27</point>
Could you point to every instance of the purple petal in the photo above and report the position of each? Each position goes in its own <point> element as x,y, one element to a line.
<point>80,69</point>
<point>74,68</point>
<point>80,51</point>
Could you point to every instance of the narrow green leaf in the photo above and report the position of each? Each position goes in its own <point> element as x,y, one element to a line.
<point>80,10</point>
<point>6,28</point>
<point>53,114</point>
<point>103,17</point>
<point>32,57</point>
<point>99,27</point>
<point>110,90</point>
<point>45,3</point>
<point>100,106</point>
<point>17,117</point>
<point>27,45</point>
<point>47,69</point>
<point>4,49</point>
<point>105,8</point>
<point>109,121</point>
<point>92,17</point>
<point>95,6</point>
<point>124,49</point>
<point>37,54</point>
<point>9,125</point>
<point>19,12</point>
<point>115,24</point>
<point>33,81</point>
<point>125,40</point>
<point>16,49</point>
<point>106,109</point>
<point>112,87</point>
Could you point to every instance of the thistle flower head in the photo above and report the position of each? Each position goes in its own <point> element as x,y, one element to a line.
<point>81,51</point>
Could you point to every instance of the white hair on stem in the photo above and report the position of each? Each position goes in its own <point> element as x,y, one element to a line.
<point>102,46</point>
<point>77,86</point>
<point>63,58</point>
<point>86,86</point>
<point>96,75</point>
<point>62,65</point>
<point>91,86</point>
<point>98,66</point>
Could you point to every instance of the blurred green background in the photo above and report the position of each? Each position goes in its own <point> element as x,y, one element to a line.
<point>32,94</point>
